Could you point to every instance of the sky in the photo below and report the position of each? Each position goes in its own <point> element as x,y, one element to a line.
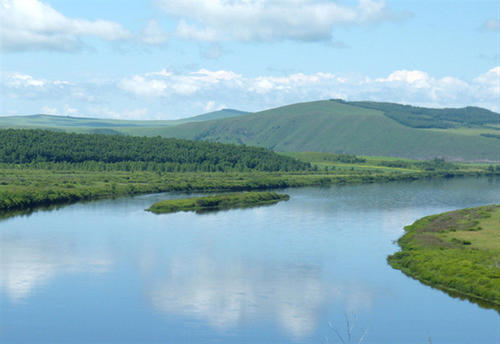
<point>169,59</point>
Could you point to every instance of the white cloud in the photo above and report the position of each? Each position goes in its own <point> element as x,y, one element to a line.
<point>34,25</point>
<point>187,31</point>
<point>414,77</point>
<point>153,34</point>
<point>19,80</point>
<point>491,25</point>
<point>47,110</point>
<point>143,87</point>
<point>166,83</point>
<point>172,94</point>
<point>406,86</point>
<point>270,20</point>
<point>487,87</point>
<point>69,111</point>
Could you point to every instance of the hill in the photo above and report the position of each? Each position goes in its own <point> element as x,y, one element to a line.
<point>106,126</point>
<point>23,146</point>
<point>336,126</point>
<point>357,128</point>
<point>224,113</point>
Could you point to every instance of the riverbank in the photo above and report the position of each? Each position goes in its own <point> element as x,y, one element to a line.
<point>457,252</point>
<point>217,202</point>
<point>24,188</point>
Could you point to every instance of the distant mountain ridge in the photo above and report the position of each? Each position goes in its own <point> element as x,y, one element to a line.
<point>362,128</point>
<point>87,123</point>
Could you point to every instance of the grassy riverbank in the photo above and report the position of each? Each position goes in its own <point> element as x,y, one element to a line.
<point>458,252</point>
<point>27,186</point>
<point>217,202</point>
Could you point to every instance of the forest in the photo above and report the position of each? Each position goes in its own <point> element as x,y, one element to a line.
<point>420,117</point>
<point>97,151</point>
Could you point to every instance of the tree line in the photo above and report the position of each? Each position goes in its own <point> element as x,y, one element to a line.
<point>38,147</point>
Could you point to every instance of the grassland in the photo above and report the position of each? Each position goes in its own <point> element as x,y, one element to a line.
<point>332,126</point>
<point>86,125</point>
<point>218,202</point>
<point>24,187</point>
<point>458,252</point>
<point>335,126</point>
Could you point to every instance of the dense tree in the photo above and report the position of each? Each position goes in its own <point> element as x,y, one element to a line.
<point>104,152</point>
<point>419,117</point>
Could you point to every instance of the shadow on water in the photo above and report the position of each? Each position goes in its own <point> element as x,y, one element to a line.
<point>463,297</point>
<point>226,209</point>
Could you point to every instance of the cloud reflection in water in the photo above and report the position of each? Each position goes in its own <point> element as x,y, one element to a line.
<point>225,294</point>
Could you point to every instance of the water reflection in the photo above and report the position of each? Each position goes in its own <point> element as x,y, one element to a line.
<point>27,265</point>
<point>270,274</point>
<point>227,294</point>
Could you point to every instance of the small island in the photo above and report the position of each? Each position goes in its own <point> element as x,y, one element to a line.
<point>457,251</point>
<point>217,202</point>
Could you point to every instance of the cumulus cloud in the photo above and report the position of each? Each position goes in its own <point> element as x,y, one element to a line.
<point>166,83</point>
<point>34,25</point>
<point>187,93</point>
<point>269,20</point>
<point>406,86</point>
<point>25,86</point>
<point>491,25</point>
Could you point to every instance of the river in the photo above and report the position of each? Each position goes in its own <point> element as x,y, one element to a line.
<point>297,271</point>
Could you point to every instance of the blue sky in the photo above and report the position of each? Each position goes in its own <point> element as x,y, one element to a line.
<point>166,59</point>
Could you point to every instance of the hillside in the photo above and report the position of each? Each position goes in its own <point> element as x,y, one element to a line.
<point>224,113</point>
<point>23,146</point>
<point>336,126</point>
<point>363,128</point>
<point>106,126</point>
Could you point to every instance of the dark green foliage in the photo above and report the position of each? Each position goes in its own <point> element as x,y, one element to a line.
<point>217,202</point>
<point>419,117</point>
<point>345,158</point>
<point>137,153</point>
<point>493,136</point>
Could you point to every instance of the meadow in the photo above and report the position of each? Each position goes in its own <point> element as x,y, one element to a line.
<point>458,252</point>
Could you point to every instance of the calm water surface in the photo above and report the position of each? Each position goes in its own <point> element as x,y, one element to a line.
<point>110,272</point>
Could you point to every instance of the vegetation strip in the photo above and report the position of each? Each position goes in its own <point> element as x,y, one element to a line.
<point>217,202</point>
<point>43,168</point>
<point>458,252</point>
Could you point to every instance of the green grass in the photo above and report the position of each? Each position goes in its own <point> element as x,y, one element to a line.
<point>361,128</point>
<point>27,186</point>
<point>330,126</point>
<point>380,164</point>
<point>458,252</point>
<point>85,125</point>
<point>217,202</point>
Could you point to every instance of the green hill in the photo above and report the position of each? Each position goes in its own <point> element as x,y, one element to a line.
<point>337,126</point>
<point>352,128</point>
<point>224,113</point>
<point>106,126</point>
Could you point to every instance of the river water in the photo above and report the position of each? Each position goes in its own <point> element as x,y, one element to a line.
<point>300,271</point>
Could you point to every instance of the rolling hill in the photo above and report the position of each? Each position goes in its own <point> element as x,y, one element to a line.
<point>353,128</point>
<point>106,126</point>
<point>363,128</point>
